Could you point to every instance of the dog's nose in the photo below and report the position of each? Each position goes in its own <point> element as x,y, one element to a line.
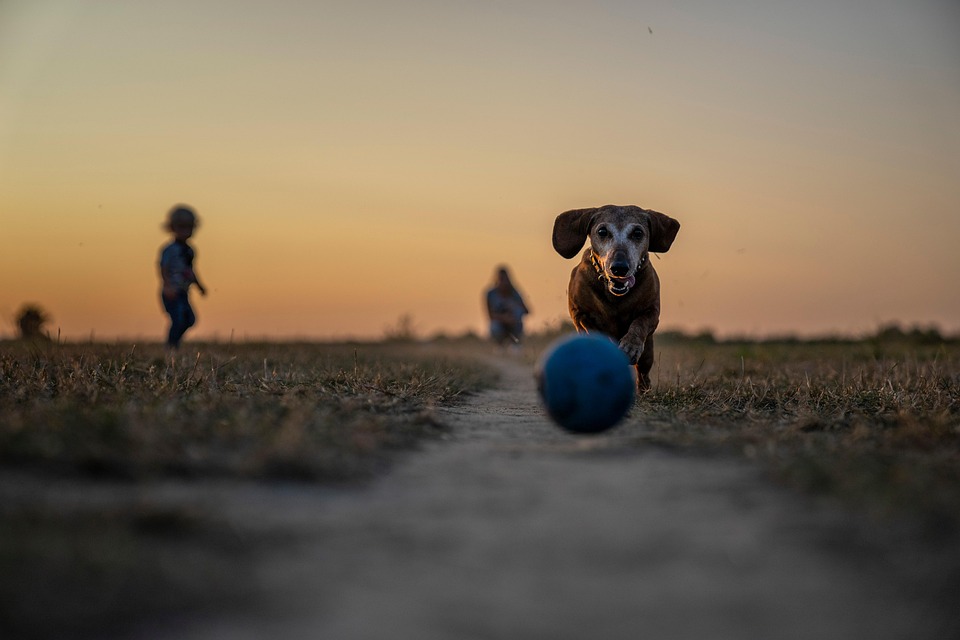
<point>620,269</point>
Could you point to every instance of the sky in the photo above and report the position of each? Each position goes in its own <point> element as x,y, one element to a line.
<point>357,161</point>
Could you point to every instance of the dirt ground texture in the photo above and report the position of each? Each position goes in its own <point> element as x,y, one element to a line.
<point>507,527</point>
<point>511,528</point>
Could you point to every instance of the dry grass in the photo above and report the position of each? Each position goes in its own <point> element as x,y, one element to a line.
<point>300,411</point>
<point>81,420</point>
<point>875,424</point>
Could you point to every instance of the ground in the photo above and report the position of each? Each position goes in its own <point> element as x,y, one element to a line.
<point>510,528</point>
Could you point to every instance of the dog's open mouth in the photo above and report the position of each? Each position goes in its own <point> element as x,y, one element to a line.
<point>620,286</point>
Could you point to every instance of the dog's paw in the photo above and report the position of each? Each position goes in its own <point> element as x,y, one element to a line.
<point>632,348</point>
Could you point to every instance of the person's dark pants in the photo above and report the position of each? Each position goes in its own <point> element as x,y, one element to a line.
<point>502,333</point>
<point>181,317</point>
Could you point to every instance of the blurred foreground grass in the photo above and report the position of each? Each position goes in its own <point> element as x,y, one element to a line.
<point>874,423</point>
<point>87,430</point>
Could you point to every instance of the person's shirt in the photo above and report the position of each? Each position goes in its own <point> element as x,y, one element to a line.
<point>176,261</point>
<point>511,303</point>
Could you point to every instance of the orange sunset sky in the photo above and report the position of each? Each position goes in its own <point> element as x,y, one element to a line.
<point>353,161</point>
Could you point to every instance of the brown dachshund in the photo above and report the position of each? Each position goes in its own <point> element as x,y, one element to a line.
<point>615,290</point>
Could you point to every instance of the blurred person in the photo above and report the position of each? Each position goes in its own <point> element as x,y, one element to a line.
<point>505,309</point>
<point>177,273</point>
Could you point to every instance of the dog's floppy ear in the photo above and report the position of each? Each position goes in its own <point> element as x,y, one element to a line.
<point>663,231</point>
<point>570,231</point>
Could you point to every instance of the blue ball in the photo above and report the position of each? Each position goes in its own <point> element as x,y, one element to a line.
<point>586,383</point>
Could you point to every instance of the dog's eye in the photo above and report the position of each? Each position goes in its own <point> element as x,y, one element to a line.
<point>636,234</point>
<point>602,232</point>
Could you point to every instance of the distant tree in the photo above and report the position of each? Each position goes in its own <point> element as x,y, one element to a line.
<point>30,322</point>
<point>403,331</point>
<point>928,335</point>
<point>916,335</point>
<point>889,333</point>
<point>705,337</point>
<point>670,336</point>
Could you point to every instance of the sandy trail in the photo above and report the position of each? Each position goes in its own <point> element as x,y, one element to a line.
<point>513,529</point>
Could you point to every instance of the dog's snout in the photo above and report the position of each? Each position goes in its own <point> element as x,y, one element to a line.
<point>620,265</point>
<point>620,268</point>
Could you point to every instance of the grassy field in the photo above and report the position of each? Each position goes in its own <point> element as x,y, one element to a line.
<point>311,412</point>
<point>875,424</point>
<point>84,427</point>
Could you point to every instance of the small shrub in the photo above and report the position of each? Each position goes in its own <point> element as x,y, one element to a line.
<point>31,321</point>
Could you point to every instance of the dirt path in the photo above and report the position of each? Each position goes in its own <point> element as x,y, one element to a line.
<point>513,529</point>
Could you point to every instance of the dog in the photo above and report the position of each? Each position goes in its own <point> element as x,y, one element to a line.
<point>614,289</point>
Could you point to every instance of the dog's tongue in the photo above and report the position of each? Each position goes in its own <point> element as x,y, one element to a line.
<point>628,282</point>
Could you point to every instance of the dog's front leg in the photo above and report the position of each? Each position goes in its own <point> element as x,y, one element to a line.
<point>638,345</point>
<point>583,322</point>
<point>634,342</point>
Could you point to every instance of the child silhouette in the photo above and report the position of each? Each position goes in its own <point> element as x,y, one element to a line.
<point>177,273</point>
